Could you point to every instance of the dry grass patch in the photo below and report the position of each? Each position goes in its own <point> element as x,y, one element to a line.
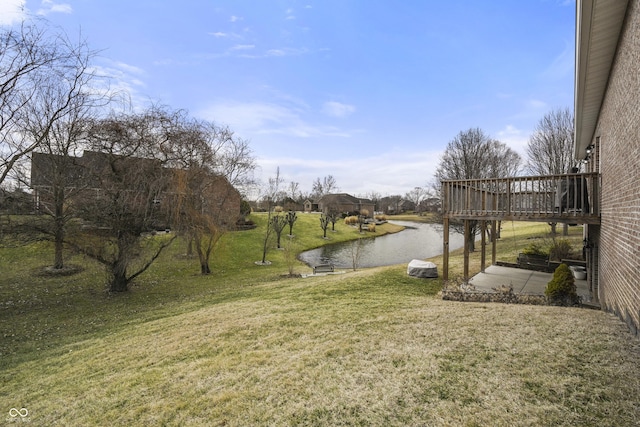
<point>365,348</point>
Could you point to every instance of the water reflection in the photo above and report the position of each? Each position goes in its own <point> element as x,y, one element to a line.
<point>417,241</point>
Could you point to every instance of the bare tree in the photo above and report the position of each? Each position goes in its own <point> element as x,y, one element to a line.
<point>317,190</point>
<point>292,217</point>
<point>233,157</point>
<point>54,170</point>
<point>375,197</point>
<point>278,223</point>
<point>41,72</point>
<point>324,224</point>
<point>127,175</point>
<point>293,190</point>
<point>333,216</point>
<point>272,190</point>
<point>416,196</point>
<point>471,155</point>
<point>550,147</point>
<point>204,197</point>
<point>327,185</point>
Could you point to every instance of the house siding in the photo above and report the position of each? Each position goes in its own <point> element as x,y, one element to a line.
<point>618,128</point>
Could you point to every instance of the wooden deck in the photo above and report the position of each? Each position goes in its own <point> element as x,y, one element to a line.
<point>569,198</point>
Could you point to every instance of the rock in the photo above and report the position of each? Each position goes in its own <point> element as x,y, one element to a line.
<point>422,269</point>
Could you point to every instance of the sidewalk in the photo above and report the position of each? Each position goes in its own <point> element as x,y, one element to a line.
<point>526,282</point>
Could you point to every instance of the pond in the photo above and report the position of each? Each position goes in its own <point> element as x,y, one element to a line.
<point>417,241</point>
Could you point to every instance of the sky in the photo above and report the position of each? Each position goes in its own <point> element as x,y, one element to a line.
<point>368,91</point>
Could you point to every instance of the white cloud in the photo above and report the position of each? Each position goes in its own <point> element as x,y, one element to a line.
<point>515,138</point>
<point>263,118</point>
<point>276,52</point>
<point>287,52</point>
<point>243,47</point>
<point>337,109</point>
<point>12,11</point>
<point>250,116</point>
<point>562,65</point>
<point>387,173</point>
<point>536,104</point>
<point>48,6</point>
<point>235,18</point>
<point>122,79</point>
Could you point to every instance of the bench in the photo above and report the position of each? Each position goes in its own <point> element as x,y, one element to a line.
<point>323,268</point>
<point>534,262</point>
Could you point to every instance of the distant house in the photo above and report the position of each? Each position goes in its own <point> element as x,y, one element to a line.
<point>344,203</point>
<point>90,176</point>
<point>310,206</point>
<point>430,204</point>
<point>395,205</point>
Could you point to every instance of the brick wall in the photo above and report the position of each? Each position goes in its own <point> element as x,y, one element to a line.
<point>619,132</point>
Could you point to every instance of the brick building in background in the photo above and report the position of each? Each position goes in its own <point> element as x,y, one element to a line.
<point>92,176</point>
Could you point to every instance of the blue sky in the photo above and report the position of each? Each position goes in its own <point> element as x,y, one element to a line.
<point>367,91</point>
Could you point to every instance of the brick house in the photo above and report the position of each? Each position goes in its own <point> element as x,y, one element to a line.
<point>340,202</point>
<point>607,131</point>
<point>89,177</point>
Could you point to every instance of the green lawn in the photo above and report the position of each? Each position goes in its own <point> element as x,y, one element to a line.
<point>246,346</point>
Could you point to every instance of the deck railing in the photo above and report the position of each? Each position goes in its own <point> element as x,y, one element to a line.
<point>557,198</point>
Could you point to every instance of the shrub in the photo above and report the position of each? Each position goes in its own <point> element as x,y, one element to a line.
<point>381,217</point>
<point>351,220</point>
<point>534,249</point>
<point>371,227</point>
<point>561,290</point>
<point>560,249</point>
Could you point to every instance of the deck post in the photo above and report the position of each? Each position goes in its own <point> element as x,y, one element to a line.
<point>445,248</point>
<point>467,232</point>
<point>483,245</point>
<point>494,239</point>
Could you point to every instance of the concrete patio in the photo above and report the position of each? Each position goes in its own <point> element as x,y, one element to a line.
<point>524,282</point>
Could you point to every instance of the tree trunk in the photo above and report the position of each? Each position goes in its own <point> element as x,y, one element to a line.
<point>58,261</point>
<point>119,281</point>
<point>190,248</point>
<point>553,228</point>
<point>471,239</point>
<point>202,256</point>
<point>204,268</point>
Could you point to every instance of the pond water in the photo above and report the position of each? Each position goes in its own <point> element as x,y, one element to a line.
<point>417,241</point>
